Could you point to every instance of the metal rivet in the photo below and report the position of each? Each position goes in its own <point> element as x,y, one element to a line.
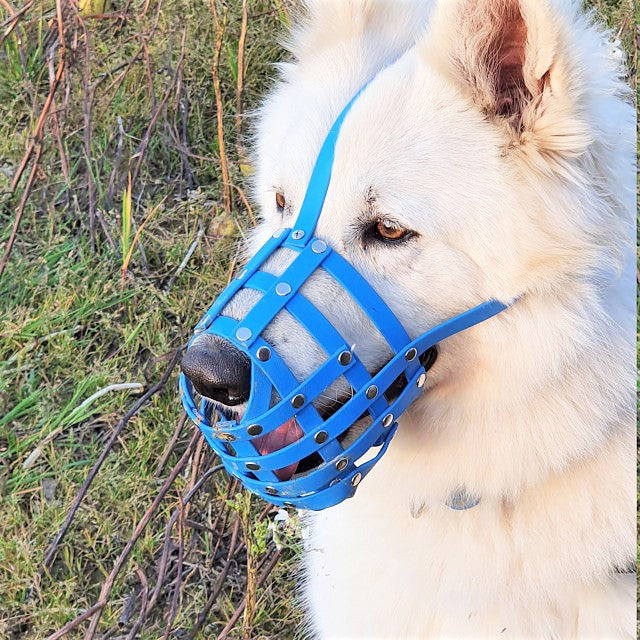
<point>283,289</point>
<point>318,246</point>
<point>372,392</point>
<point>321,437</point>
<point>387,421</point>
<point>263,354</point>
<point>254,430</point>
<point>297,401</point>
<point>342,463</point>
<point>411,354</point>
<point>355,481</point>
<point>271,491</point>
<point>297,234</point>
<point>345,358</point>
<point>253,466</point>
<point>241,275</point>
<point>422,378</point>
<point>243,334</point>
<point>230,450</point>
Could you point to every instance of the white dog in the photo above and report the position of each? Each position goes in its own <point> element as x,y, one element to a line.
<point>490,157</point>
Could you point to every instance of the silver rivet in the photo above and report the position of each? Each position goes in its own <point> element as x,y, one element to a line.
<point>283,289</point>
<point>318,246</point>
<point>271,491</point>
<point>387,421</point>
<point>321,437</point>
<point>341,464</point>
<point>241,275</point>
<point>297,401</point>
<point>230,450</point>
<point>243,334</point>
<point>253,466</point>
<point>263,354</point>
<point>422,378</point>
<point>297,234</point>
<point>372,392</point>
<point>254,430</point>
<point>411,354</point>
<point>355,481</point>
<point>345,358</point>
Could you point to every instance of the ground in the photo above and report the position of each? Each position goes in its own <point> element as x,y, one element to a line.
<point>124,189</point>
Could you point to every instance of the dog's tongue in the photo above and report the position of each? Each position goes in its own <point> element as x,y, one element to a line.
<point>285,434</point>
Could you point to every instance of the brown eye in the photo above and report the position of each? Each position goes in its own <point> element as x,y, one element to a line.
<point>389,230</point>
<point>280,201</point>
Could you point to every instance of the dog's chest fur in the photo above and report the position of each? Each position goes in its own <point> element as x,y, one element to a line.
<point>397,562</point>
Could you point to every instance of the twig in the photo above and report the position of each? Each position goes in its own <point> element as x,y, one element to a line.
<point>171,445</point>
<point>107,586</point>
<point>136,238</point>
<point>20,212</point>
<point>143,604</point>
<point>240,84</point>
<point>185,260</point>
<point>220,28</point>
<point>48,558</point>
<point>238,612</point>
<point>144,143</point>
<point>203,615</point>
<point>70,626</point>
<point>86,114</point>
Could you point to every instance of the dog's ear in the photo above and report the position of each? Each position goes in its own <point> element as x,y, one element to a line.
<point>516,62</point>
<point>384,29</point>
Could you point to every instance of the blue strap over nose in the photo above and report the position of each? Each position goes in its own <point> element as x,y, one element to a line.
<point>322,452</point>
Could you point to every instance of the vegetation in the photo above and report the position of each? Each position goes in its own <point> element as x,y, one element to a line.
<point>123,193</point>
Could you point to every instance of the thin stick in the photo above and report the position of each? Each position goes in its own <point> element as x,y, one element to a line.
<point>49,555</point>
<point>202,616</point>
<point>185,260</point>
<point>238,612</point>
<point>240,84</point>
<point>143,604</point>
<point>171,445</point>
<point>109,582</point>
<point>220,28</point>
<point>70,626</point>
<point>20,212</point>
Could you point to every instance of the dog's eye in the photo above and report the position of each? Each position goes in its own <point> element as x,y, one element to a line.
<point>390,231</point>
<point>280,201</point>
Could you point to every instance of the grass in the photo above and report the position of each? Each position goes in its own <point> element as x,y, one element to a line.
<point>96,298</point>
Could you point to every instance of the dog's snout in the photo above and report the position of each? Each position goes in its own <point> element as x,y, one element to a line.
<point>218,370</point>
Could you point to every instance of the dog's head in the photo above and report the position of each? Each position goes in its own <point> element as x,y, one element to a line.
<point>458,174</point>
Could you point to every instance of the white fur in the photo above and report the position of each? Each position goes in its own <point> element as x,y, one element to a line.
<point>532,410</point>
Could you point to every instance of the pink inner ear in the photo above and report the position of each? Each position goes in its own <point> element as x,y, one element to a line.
<point>508,54</point>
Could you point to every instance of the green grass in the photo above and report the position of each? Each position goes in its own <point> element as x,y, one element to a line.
<point>70,325</point>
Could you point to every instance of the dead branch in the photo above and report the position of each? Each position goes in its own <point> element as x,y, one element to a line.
<point>110,581</point>
<point>53,547</point>
<point>238,612</point>
<point>240,84</point>
<point>220,29</point>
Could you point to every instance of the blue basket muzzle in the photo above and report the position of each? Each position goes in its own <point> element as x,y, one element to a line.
<point>278,402</point>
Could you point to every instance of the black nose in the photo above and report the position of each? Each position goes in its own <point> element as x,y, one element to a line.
<point>218,370</point>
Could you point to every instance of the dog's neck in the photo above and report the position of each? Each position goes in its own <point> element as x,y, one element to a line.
<point>531,409</point>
